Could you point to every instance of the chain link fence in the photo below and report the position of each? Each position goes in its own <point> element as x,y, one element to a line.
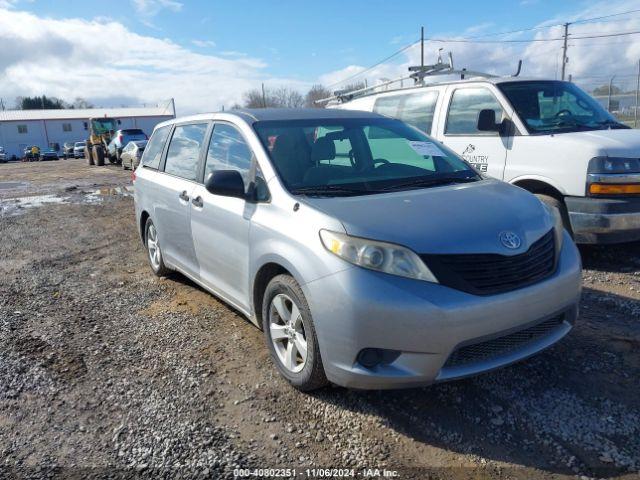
<point>617,93</point>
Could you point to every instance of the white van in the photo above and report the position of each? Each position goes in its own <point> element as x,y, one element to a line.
<point>546,136</point>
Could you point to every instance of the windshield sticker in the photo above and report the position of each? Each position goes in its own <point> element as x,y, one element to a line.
<point>426,148</point>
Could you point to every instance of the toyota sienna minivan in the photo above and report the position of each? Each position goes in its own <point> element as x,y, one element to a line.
<point>370,255</point>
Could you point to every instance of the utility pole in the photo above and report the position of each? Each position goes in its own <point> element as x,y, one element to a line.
<point>635,118</point>
<point>422,47</point>
<point>609,97</point>
<point>564,49</point>
<point>264,97</point>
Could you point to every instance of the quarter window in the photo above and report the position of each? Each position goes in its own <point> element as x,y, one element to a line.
<point>228,151</point>
<point>388,105</point>
<point>465,107</point>
<point>153,152</point>
<point>184,150</point>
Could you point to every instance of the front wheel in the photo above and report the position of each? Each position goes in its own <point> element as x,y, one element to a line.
<point>98,156</point>
<point>88,156</point>
<point>290,334</point>
<point>560,207</point>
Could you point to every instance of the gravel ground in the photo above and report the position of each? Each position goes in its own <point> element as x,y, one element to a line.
<point>106,370</point>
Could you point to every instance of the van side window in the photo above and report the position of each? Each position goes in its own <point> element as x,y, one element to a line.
<point>228,151</point>
<point>418,109</point>
<point>465,107</point>
<point>153,152</point>
<point>387,105</point>
<point>184,150</point>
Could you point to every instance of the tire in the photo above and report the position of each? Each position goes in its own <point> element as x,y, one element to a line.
<point>98,156</point>
<point>88,156</point>
<point>305,374</point>
<point>156,263</point>
<point>118,157</point>
<point>561,207</point>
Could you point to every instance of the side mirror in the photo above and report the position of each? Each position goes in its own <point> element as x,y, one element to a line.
<point>227,183</point>
<point>487,121</point>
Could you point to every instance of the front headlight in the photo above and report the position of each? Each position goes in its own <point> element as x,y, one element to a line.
<point>558,225</point>
<point>381,256</point>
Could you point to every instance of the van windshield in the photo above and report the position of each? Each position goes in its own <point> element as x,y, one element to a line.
<point>341,157</point>
<point>557,107</point>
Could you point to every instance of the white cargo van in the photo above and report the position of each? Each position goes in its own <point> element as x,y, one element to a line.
<point>546,136</point>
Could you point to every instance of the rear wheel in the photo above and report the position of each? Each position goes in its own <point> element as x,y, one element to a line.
<point>88,156</point>
<point>290,334</point>
<point>558,205</point>
<point>154,254</point>
<point>98,156</point>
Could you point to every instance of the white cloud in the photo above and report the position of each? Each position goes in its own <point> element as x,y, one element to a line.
<point>204,43</point>
<point>36,53</point>
<point>150,8</point>
<point>591,61</point>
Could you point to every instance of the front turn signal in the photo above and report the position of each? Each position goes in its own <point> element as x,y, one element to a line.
<point>614,188</point>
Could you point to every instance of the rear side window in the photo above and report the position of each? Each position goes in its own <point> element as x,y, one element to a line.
<point>417,109</point>
<point>228,151</point>
<point>388,105</point>
<point>184,150</point>
<point>465,107</point>
<point>154,148</point>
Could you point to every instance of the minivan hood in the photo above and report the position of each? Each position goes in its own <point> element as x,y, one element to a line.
<point>463,218</point>
<point>612,143</point>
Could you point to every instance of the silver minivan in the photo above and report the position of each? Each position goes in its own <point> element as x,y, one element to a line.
<point>370,255</point>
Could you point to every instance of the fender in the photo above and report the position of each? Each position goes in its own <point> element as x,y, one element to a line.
<point>539,178</point>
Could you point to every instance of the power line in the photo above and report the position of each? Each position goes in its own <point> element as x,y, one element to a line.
<point>531,40</point>
<point>606,16</point>
<point>386,59</point>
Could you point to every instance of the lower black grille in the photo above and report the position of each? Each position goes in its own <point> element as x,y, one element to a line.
<point>487,274</point>
<point>502,345</point>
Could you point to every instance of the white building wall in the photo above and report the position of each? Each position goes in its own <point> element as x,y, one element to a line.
<point>44,132</point>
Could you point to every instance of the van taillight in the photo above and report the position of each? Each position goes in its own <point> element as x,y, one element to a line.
<point>120,138</point>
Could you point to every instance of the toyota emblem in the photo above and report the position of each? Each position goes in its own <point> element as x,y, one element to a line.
<point>510,240</point>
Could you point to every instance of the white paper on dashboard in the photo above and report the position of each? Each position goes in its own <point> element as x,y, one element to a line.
<point>426,148</point>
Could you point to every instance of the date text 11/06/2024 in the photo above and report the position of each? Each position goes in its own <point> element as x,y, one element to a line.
<point>315,473</point>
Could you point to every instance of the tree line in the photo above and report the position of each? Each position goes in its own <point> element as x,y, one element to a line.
<point>286,97</point>
<point>49,103</point>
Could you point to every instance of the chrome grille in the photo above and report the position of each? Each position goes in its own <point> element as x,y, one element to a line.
<point>496,347</point>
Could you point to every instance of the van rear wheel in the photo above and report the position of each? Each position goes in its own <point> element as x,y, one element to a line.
<point>290,334</point>
<point>559,205</point>
<point>154,254</point>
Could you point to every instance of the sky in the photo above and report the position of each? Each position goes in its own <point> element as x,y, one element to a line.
<point>207,54</point>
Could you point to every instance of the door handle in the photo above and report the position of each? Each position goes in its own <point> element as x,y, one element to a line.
<point>184,196</point>
<point>197,202</point>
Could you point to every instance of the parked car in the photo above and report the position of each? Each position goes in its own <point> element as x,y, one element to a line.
<point>370,255</point>
<point>132,153</point>
<point>546,136</point>
<point>78,149</point>
<point>67,149</point>
<point>3,155</point>
<point>31,154</point>
<point>49,154</point>
<point>122,138</point>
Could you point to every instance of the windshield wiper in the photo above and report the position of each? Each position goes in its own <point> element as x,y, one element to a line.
<point>328,190</point>
<point>612,124</point>
<point>429,182</point>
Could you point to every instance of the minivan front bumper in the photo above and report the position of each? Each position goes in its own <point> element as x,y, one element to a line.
<point>604,220</point>
<point>419,326</point>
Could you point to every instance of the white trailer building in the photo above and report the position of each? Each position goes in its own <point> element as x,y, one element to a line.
<point>22,128</point>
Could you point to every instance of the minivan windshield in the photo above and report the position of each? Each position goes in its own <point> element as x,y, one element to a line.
<point>342,157</point>
<point>552,106</point>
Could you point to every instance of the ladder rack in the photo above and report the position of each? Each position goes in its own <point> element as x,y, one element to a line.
<point>418,75</point>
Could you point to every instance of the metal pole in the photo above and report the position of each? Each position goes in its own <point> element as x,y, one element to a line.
<point>609,97</point>
<point>264,98</point>
<point>564,49</point>
<point>635,118</point>
<point>422,47</point>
